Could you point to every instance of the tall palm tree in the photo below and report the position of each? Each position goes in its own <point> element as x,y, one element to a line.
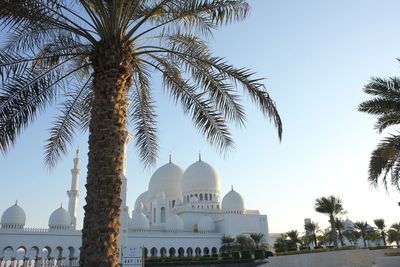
<point>93,58</point>
<point>380,224</point>
<point>362,228</point>
<point>331,206</point>
<point>339,226</point>
<point>385,104</point>
<point>311,230</point>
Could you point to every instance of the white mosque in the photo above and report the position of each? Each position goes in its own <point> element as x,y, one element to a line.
<point>180,214</point>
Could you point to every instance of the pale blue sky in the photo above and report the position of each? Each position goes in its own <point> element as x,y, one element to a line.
<point>316,56</point>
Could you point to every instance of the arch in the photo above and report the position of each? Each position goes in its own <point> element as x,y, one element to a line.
<point>189,252</point>
<point>7,253</point>
<point>163,252</point>
<point>172,252</point>
<point>46,251</point>
<point>197,251</point>
<point>201,197</point>
<point>181,252</point>
<point>206,197</point>
<point>153,252</point>
<point>206,251</point>
<point>162,215</point>
<point>59,251</point>
<point>210,197</point>
<point>145,252</point>
<point>214,250</point>
<point>34,252</point>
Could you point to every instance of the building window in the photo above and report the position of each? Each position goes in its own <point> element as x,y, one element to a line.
<point>162,215</point>
<point>173,203</point>
<point>201,197</point>
<point>210,197</point>
<point>154,215</point>
<point>205,197</point>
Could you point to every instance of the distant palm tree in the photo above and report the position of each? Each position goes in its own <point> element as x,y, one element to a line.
<point>362,228</point>
<point>294,236</point>
<point>339,226</point>
<point>380,224</point>
<point>96,58</point>
<point>352,236</point>
<point>311,230</point>
<point>257,238</point>
<point>227,242</point>
<point>394,234</point>
<point>331,206</point>
<point>385,104</point>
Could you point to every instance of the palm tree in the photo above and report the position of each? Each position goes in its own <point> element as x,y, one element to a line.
<point>93,58</point>
<point>331,206</point>
<point>294,236</point>
<point>380,224</point>
<point>394,234</point>
<point>339,226</point>
<point>311,230</point>
<point>227,242</point>
<point>257,238</point>
<point>362,228</point>
<point>352,236</point>
<point>385,160</point>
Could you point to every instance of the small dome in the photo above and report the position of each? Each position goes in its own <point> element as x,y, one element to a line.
<point>206,224</point>
<point>166,179</point>
<point>174,223</point>
<point>13,217</point>
<point>200,176</point>
<point>233,202</point>
<point>143,199</point>
<point>60,219</point>
<point>139,222</point>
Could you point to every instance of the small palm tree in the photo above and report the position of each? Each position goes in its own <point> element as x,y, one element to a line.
<point>227,242</point>
<point>257,238</point>
<point>380,224</point>
<point>294,236</point>
<point>394,234</point>
<point>339,226</point>
<point>362,228</point>
<point>331,206</point>
<point>352,236</point>
<point>311,230</point>
<point>385,159</point>
<point>95,60</point>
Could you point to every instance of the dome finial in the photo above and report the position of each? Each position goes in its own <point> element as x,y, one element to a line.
<point>16,202</point>
<point>61,205</point>
<point>199,155</point>
<point>170,157</point>
<point>77,152</point>
<point>231,187</point>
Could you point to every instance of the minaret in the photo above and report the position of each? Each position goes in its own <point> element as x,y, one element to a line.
<point>73,194</point>
<point>124,216</point>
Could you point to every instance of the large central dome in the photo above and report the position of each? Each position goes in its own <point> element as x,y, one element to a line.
<point>166,180</point>
<point>200,176</point>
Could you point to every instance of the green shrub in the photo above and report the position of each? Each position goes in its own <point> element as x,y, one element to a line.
<point>268,254</point>
<point>246,255</point>
<point>236,255</point>
<point>259,254</point>
<point>226,256</point>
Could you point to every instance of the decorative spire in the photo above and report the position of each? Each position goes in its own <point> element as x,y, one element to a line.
<point>199,155</point>
<point>170,157</point>
<point>61,205</point>
<point>231,187</point>
<point>16,202</point>
<point>77,152</point>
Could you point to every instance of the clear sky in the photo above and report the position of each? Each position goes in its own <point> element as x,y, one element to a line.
<point>316,56</point>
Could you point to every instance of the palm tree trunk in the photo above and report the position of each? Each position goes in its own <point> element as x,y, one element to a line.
<point>341,237</point>
<point>112,79</point>
<point>383,237</point>
<point>365,243</point>
<point>333,229</point>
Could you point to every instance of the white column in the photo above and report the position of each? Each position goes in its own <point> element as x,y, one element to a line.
<point>124,216</point>
<point>73,194</point>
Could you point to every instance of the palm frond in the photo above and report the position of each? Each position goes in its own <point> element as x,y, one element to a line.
<point>65,124</point>
<point>384,161</point>
<point>144,116</point>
